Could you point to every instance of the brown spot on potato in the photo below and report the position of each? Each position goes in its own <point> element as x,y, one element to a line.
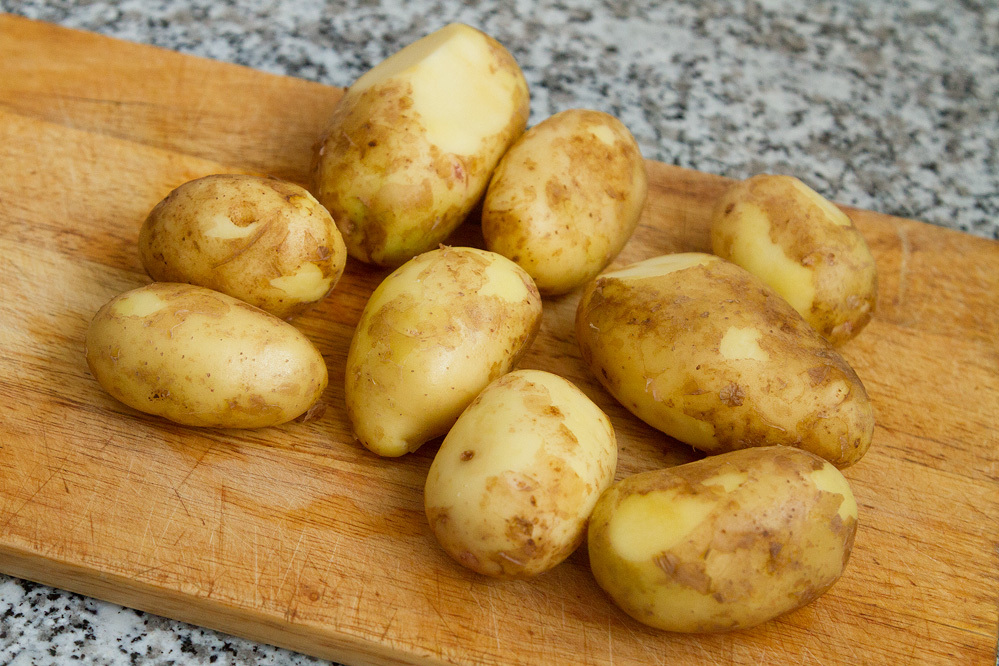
<point>732,395</point>
<point>242,213</point>
<point>818,374</point>
<point>467,455</point>
<point>689,574</point>
<point>557,193</point>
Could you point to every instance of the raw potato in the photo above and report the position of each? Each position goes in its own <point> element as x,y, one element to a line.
<point>709,354</point>
<point>261,240</point>
<point>513,484</point>
<point>413,142</point>
<point>202,358</point>
<point>566,198</point>
<point>724,543</point>
<point>433,334</point>
<point>804,247</point>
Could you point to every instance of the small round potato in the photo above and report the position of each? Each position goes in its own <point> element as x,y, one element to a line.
<point>512,486</point>
<point>803,246</point>
<point>202,358</point>
<point>433,334</point>
<point>724,543</point>
<point>708,353</point>
<point>261,240</point>
<point>566,198</point>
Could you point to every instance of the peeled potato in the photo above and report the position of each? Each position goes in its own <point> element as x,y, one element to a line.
<point>724,543</point>
<point>199,357</point>
<point>413,142</point>
<point>803,246</point>
<point>566,198</point>
<point>433,334</point>
<point>261,240</point>
<point>709,354</point>
<point>512,486</point>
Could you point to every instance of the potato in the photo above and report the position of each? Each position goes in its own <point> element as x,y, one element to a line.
<point>804,247</point>
<point>202,358</point>
<point>566,198</point>
<point>512,486</point>
<point>413,142</point>
<point>709,354</point>
<point>261,240</point>
<point>723,543</point>
<point>433,334</point>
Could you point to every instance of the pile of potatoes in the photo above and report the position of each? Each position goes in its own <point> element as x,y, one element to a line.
<point>732,352</point>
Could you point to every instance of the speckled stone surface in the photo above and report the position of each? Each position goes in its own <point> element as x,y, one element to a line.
<point>890,106</point>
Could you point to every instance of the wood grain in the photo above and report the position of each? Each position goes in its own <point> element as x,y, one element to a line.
<point>297,536</point>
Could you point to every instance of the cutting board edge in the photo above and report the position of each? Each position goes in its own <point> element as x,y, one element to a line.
<point>315,640</point>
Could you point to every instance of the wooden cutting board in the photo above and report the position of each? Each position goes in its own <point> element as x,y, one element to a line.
<point>297,536</point>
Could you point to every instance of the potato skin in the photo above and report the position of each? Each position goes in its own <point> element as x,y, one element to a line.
<point>512,487</point>
<point>261,240</point>
<point>804,247</point>
<point>566,198</point>
<point>385,170</point>
<point>723,543</point>
<point>199,357</point>
<point>433,334</point>
<point>709,354</point>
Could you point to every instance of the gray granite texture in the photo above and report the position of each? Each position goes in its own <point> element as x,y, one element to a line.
<point>891,106</point>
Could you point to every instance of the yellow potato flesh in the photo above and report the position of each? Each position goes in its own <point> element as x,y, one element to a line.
<point>804,247</point>
<point>513,484</point>
<point>433,334</point>
<point>724,543</point>
<point>706,352</point>
<point>199,357</point>
<point>566,198</point>
<point>413,142</point>
<point>457,104</point>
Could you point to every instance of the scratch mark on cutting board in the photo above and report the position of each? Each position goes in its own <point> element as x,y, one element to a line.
<point>389,625</point>
<point>610,643</point>
<point>145,532</point>
<point>654,657</point>
<point>291,561</point>
<point>492,614</point>
<point>31,497</point>
<point>197,463</point>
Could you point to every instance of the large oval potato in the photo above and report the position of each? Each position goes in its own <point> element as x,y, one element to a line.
<point>413,142</point>
<point>261,240</point>
<point>566,198</point>
<point>709,354</point>
<point>202,358</point>
<point>803,246</point>
<point>723,543</point>
<point>433,334</point>
<point>513,484</point>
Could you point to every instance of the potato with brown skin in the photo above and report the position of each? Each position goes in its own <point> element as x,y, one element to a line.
<point>413,142</point>
<point>199,357</point>
<point>261,240</point>
<point>803,246</point>
<point>723,543</point>
<point>709,354</point>
<point>512,486</point>
<point>433,334</point>
<point>566,198</point>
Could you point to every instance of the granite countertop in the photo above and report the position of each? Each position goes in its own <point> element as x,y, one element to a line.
<point>891,108</point>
